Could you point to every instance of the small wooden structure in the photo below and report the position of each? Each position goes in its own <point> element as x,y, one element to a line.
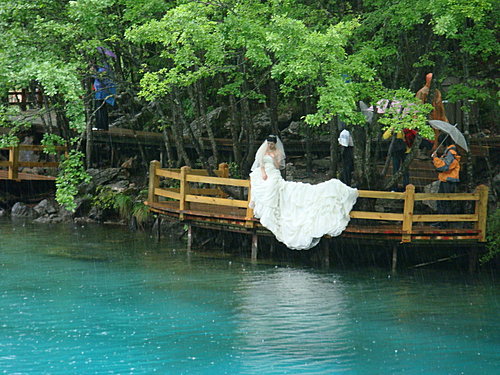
<point>210,207</point>
<point>14,163</point>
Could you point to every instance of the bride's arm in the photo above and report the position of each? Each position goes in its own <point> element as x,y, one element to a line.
<point>277,159</point>
<point>263,173</point>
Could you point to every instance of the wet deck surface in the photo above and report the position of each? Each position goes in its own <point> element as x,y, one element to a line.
<point>26,176</point>
<point>212,215</point>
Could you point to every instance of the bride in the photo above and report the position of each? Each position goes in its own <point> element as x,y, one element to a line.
<point>297,213</point>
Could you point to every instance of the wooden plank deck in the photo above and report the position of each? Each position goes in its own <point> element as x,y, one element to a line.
<point>26,176</point>
<point>219,217</point>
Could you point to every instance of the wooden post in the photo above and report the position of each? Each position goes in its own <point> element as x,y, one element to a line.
<point>190,237</point>
<point>154,181</point>
<point>481,211</point>
<point>14,160</point>
<point>255,248</point>
<point>224,169</point>
<point>472,253</point>
<point>223,173</point>
<point>325,253</point>
<point>394,258</point>
<point>408,213</point>
<point>158,228</point>
<point>249,214</point>
<point>184,189</point>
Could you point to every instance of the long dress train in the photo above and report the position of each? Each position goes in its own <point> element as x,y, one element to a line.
<point>297,213</point>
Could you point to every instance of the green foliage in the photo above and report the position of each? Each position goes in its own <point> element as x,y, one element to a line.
<point>124,203</point>
<point>71,174</point>
<point>493,237</point>
<point>234,170</point>
<point>50,141</point>
<point>407,114</point>
<point>105,198</point>
<point>8,140</point>
<point>141,212</point>
<point>9,119</point>
<point>328,55</point>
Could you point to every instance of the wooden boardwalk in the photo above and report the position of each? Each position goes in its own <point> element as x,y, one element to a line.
<point>201,201</point>
<point>13,163</point>
<point>4,175</point>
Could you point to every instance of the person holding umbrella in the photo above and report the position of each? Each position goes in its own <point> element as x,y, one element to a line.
<point>448,168</point>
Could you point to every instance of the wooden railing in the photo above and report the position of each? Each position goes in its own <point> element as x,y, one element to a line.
<point>408,217</point>
<point>13,164</point>
<point>185,194</point>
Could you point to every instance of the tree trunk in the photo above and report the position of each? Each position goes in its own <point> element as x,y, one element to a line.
<point>196,141</point>
<point>89,144</point>
<point>334,135</point>
<point>404,166</point>
<point>166,137</point>
<point>273,106</point>
<point>308,132</point>
<point>178,136</point>
<point>208,126</point>
<point>168,147</point>
<point>470,177</point>
<point>235,130</point>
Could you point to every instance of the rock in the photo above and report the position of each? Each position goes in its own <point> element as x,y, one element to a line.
<point>84,220</point>
<point>47,207</point>
<point>21,210</point>
<point>100,177</point>
<point>3,212</point>
<point>431,188</point>
<point>96,213</point>
<point>294,129</point>
<point>496,183</point>
<point>65,215</point>
<point>262,123</point>
<point>321,163</point>
<point>212,117</point>
<point>48,219</point>
<point>83,205</point>
<point>291,171</point>
<point>130,163</point>
<point>388,205</point>
<point>119,186</point>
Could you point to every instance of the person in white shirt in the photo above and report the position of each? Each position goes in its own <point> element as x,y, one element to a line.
<point>345,141</point>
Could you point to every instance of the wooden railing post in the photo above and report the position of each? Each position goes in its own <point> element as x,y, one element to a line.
<point>481,211</point>
<point>154,181</point>
<point>184,189</point>
<point>408,213</point>
<point>224,169</point>
<point>249,214</point>
<point>14,160</point>
<point>224,173</point>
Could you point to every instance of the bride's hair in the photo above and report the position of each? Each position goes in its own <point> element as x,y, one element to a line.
<point>272,138</point>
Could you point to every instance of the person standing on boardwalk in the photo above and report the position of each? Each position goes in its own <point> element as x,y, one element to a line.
<point>345,141</point>
<point>448,168</point>
<point>398,153</point>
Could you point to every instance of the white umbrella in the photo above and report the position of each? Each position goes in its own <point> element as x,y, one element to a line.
<point>452,131</point>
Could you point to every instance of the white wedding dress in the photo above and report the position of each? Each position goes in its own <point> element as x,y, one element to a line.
<point>297,213</point>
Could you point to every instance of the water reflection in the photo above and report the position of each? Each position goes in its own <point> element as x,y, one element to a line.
<point>295,317</point>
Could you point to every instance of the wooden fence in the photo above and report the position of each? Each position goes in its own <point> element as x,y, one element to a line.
<point>185,195</point>
<point>13,164</point>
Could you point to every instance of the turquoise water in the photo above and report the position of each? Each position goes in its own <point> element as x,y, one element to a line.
<point>100,300</point>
